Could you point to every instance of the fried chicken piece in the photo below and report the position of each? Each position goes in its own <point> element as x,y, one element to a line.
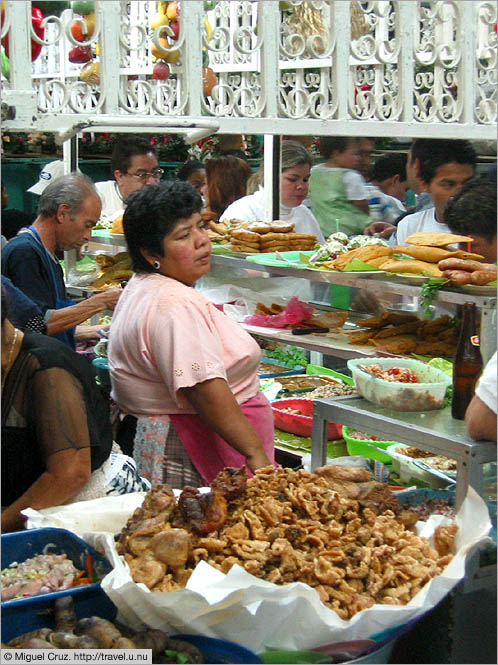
<point>147,570</point>
<point>157,508</point>
<point>172,547</point>
<point>354,473</point>
<point>231,482</point>
<point>444,538</point>
<point>345,488</point>
<point>203,513</point>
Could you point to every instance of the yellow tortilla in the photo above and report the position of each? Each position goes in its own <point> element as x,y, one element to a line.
<point>436,239</point>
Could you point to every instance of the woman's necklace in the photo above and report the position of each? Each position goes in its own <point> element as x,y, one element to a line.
<point>9,358</point>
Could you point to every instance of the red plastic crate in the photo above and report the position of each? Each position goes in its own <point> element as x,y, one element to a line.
<point>297,424</point>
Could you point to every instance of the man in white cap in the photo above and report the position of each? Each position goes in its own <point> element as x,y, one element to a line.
<point>48,174</point>
<point>68,210</point>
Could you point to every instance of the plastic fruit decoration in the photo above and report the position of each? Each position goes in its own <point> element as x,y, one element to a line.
<point>91,73</point>
<point>175,27</point>
<point>80,54</point>
<point>173,10</point>
<point>82,7</point>
<point>209,80</point>
<point>158,52</point>
<point>207,28</point>
<point>82,31</point>
<point>161,71</point>
<point>36,21</point>
<point>159,19</point>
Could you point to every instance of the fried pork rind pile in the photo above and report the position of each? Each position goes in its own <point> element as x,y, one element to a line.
<point>286,526</point>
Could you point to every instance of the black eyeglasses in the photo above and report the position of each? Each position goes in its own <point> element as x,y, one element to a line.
<point>143,175</point>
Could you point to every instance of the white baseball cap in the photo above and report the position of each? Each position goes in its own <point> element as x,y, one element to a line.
<point>48,174</point>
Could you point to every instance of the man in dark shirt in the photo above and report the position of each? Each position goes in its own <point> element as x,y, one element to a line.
<point>68,210</point>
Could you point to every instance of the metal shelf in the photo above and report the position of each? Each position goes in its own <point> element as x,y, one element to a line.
<point>108,238</point>
<point>324,345</point>
<point>378,284</point>
<point>434,431</point>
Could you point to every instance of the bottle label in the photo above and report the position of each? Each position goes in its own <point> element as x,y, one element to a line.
<point>474,340</point>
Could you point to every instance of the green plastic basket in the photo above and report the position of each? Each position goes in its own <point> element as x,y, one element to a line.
<point>358,447</point>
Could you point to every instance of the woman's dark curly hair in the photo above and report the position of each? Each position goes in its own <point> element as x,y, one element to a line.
<point>151,213</point>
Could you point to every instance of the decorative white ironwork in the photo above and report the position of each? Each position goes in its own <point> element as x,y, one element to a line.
<point>486,64</point>
<point>286,67</point>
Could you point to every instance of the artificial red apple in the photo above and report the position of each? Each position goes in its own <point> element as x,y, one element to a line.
<point>80,54</point>
<point>175,26</point>
<point>161,71</point>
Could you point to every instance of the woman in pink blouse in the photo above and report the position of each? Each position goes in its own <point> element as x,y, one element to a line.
<point>184,369</point>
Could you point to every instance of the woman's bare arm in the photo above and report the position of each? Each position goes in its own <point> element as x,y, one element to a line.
<point>217,406</point>
<point>66,473</point>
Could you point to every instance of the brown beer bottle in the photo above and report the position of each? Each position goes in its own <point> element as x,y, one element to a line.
<point>467,363</point>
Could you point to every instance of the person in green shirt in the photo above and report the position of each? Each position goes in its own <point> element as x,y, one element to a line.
<point>339,197</point>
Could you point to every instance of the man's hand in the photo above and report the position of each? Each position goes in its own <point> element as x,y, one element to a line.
<point>108,298</point>
<point>382,229</point>
<point>90,334</point>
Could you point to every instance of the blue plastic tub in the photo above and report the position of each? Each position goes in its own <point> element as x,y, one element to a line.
<point>220,651</point>
<point>21,615</point>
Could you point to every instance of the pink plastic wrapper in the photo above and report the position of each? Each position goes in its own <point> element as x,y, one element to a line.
<point>295,312</point>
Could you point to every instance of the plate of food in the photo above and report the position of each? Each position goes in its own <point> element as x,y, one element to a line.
<point>281,259</point>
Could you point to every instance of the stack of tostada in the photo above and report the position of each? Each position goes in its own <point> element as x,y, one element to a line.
<point>255,237</point>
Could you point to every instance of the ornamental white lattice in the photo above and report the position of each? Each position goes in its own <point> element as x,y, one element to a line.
<point>398,68</point>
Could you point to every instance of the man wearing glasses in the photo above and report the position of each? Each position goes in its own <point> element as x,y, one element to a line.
<point>133,164</point>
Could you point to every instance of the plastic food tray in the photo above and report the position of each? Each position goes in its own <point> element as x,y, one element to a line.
<point>315,379</point>
<point>410,473</point>
<point>23,545</point>
<point>22,615</point>
<point>296,423</point>
<point>289,371</point>
<point>359,447</point>
<point>424,396</point>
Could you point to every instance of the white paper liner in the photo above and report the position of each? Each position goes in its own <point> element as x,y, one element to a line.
<point>243,608</point>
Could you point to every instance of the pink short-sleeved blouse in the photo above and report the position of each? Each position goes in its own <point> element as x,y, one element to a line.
<point>166,336</point>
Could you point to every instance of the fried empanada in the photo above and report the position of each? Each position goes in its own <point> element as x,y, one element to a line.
<point>397,343</point>
<point>361,336</point>
<point>401,329</point>
<point>436,239</point>
<point>410,267</point>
